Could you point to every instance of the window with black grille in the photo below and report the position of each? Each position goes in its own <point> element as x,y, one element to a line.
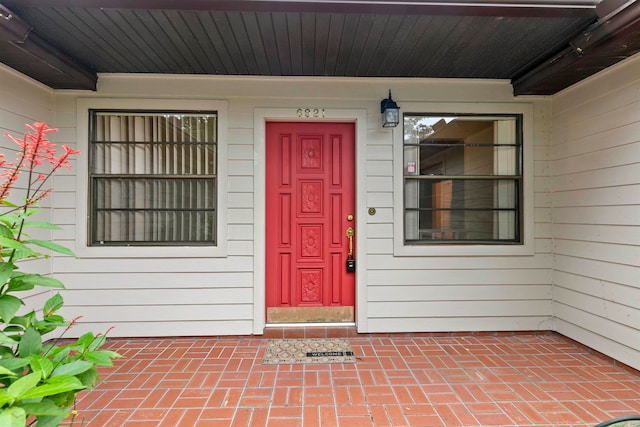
<point>462,178</point>
<point>152,178</point>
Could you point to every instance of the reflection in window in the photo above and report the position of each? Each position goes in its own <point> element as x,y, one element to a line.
<point>462,178</point>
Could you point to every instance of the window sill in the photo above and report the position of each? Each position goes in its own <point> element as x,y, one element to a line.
<point>444,249</point>
<point>150,252</point>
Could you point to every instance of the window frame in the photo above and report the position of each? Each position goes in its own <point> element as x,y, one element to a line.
<point>461,248</point>
<point>83,247</point>
<point>94,177</point>
<point>516,178</point>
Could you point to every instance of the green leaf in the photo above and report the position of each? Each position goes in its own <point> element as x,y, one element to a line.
<point>55,385</point>
<point>20,323</point>
<point>64,400</point>
<point>10,204</point>
<point>42,365</point>
<point>54,304</point>
<point>19,389</point>
<point>59,354</point>
<point>48,421</point>
<point>6,268</point>
<point>73,368</point>
<point>56,319</point>
<point>49,324</point>
<point>30,343</point>
<point>4,397</point>
<point>102,357</point>
<point>85,341</point>
<point>5,339</point>
<point>16,284</point>
<point>6,231</point>
<point>51,246</point>
<point>9,306</point>
<point>89,377</point>
<point>45,407</point>
<point>24,253</point>
<point>5,352</point>
<point>10,242</point>
<point>13,417</point>
<point>15,325</point>
<point>5,372</point>
<point>97,342</point>
<point>36,279</point>
<point>41,224</point>
<point>14,363</point>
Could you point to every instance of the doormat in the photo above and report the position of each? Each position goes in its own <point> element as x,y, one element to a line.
<point>308,350</point>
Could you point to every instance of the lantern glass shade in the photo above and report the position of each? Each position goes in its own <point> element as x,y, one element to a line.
<point>390,117</point>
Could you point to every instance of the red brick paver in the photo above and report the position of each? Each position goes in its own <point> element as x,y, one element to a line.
<point>518,380</point>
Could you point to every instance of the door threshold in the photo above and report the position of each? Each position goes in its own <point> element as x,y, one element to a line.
<point>316,314</point>
<point>310,330</point>
<point>309,324</point>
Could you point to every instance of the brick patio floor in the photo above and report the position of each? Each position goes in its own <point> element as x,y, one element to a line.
<point>488,380</point>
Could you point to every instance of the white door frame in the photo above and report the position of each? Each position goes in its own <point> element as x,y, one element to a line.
<point>260,117</point>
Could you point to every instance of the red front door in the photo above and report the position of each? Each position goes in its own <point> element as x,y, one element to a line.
<point>310,183</point>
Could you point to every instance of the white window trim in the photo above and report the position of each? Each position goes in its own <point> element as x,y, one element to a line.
<point>462,249</point>
<point>82,249</point>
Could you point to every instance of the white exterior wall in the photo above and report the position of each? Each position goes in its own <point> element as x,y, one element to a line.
<point>596,212</point>
<point>23,101</point>
<point>222,292</point>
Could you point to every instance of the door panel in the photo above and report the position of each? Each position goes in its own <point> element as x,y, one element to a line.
<point>309,192</point>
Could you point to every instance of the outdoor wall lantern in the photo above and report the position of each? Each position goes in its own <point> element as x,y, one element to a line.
<point>390,112</point>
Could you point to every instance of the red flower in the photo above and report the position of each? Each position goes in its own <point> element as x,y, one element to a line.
<point>35,149</point>
<point>63,160</point>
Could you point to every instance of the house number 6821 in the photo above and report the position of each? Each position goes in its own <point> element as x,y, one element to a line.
<point>310,112</point>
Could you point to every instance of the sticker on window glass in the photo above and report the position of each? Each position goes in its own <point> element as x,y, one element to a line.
<point>411,167</point>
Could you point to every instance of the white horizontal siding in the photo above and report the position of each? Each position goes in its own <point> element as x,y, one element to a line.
<point>599,270</point>
<point>156,328</point>
<point>504,264</point>
<point>462,323</point>
<point>596,212</point>
<point>489,276</point>
<point>460,309</point>
<point>24,101</point>
<point>502,293</point>
<point>606,291</point>
<point>156,280</point>
<point>598,251</point>
<point>151,265</point>
<point>165,312</point>
<point>142,297</point>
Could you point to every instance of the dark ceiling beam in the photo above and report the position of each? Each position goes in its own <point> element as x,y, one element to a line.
<point>578,8</point>
<point>612,38</point>
<point>22,49</point>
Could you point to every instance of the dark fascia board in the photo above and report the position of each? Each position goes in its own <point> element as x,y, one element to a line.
<point>614,37</point>
<point>46,63</point>
<point>544,8</point>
